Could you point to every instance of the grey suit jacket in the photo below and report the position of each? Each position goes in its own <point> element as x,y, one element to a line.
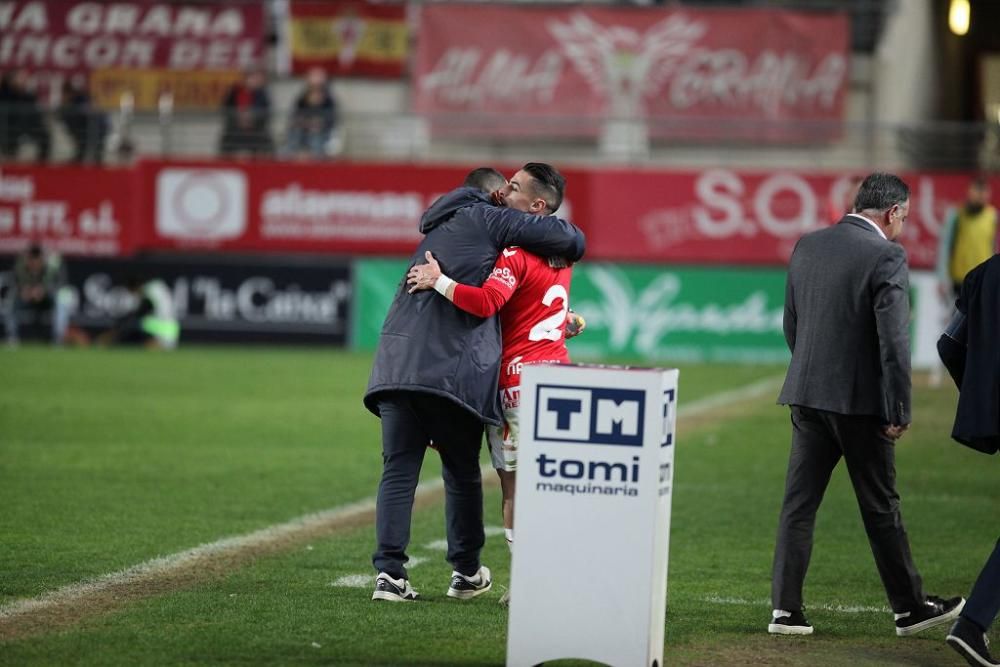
<point>846,322</point>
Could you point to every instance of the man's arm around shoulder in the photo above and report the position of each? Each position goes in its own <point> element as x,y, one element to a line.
<point>546,235</point>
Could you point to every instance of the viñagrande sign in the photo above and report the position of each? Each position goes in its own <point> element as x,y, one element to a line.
<point>637,311</point>
<point>683,314</point>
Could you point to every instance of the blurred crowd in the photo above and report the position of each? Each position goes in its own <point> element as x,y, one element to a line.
<point>312,120</point>
<point>247,121</point>
<point>36,300</point>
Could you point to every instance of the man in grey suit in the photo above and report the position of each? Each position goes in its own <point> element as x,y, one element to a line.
<point>848,384</point>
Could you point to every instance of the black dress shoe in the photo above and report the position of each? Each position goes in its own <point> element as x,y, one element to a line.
<point>934,611</point>
<point>970,642</point>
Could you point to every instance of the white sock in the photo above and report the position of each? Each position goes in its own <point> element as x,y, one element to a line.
<point>780,613</point>
<point>509,534</point>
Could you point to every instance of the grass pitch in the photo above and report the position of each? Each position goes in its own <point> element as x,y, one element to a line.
<point>110,458</point>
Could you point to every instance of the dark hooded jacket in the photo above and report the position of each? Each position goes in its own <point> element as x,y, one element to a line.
<point>427,344</point>
<point>976,366</point>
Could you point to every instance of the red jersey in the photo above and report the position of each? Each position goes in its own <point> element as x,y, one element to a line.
<point>533,321</point>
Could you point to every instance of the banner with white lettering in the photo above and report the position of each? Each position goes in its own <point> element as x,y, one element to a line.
<point>294,208</point>
<point>712,216</point>
<point>71,210</point>
<point>561,71</point>
<point>724,216</point>
<point>54,39</point>
<point>224,299</point>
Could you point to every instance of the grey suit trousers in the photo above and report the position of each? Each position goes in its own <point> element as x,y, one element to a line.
<point>819,440</point>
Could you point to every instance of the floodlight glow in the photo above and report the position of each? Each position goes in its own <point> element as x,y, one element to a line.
<point>959,14</point>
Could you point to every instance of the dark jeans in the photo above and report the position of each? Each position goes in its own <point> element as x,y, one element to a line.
<point>819,440</point>
<point>410,421</point>
<point>984,600</point>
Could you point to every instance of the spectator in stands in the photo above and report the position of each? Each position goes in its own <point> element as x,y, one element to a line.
<point>312,119</point>
<point>151,322</point>
<point>87,126</point>
<point>21,117</point>
<point>246,111</point>
<point>968,239</point>
<point>39,279</point>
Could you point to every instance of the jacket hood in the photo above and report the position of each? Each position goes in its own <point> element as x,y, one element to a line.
<point>447,205</point>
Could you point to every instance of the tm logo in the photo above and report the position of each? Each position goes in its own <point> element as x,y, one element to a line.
<point>595,416</point>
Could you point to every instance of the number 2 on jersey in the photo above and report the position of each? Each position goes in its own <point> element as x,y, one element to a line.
<point>548,329</point>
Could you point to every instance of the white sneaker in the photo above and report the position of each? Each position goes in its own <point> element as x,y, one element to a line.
<point>393,590</point>
<point>464,588</point>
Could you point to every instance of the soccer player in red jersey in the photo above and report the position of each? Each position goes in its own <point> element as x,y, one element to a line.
<point>531,293</point>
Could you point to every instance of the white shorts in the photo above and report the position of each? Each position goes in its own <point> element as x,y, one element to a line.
<point>503,439</point>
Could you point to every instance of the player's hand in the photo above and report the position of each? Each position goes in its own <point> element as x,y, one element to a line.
<point>497,197</point>
<point>575,324</point>
<point>895,431</point>
<point>423,276</point>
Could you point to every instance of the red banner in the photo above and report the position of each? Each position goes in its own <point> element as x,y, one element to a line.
<point>57,38</point>
<point>72,210</point>
<point>742,217</point>
<point>715,216</point>
<point>342,208</point>
<point>349,37</point>
<point>682,70</point>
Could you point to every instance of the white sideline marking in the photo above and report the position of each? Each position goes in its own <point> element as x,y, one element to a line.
<point>355,581</point>
<point>726,398</point>
<point>366,580</point>
<point>840,608</point>
<point>166,564</point>
<point>231,545</point>
<point>442,545</point>
<point>437,545</point>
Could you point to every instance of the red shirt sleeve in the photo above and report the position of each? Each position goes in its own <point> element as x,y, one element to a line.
<point>485,301</point>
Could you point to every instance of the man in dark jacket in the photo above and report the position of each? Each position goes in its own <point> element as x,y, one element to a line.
<point>22,117</point>
<point>435,375</point>
<point>970,352</point>
<point>246,112</point>
<point>86,125</point>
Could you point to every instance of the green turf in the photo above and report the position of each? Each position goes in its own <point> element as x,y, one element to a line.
<point>112,457</point>
<point>273,445</point>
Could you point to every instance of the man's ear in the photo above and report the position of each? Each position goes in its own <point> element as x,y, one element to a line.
<point>538,206</point>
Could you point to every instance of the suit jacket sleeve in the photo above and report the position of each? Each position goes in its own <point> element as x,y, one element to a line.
<point>890,291</point>
<point>790,320</point>
<point>547,236</point>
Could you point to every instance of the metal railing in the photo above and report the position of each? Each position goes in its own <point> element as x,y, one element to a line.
<point>31,135</point>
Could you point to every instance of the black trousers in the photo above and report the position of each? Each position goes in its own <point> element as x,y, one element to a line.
<point>819,440</point>
<point>984,601</point>
<point>410,421</point>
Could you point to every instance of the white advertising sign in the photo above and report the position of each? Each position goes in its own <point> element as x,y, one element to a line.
<point>594,485</point>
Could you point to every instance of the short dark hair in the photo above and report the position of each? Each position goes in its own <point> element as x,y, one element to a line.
<point>881,191</point>
<point>549,183</point>
<point>486,179</point>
